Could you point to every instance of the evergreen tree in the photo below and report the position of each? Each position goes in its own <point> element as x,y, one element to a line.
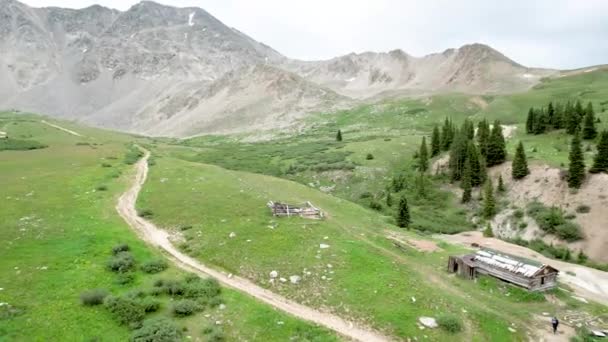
<point>578,109</point>
<point>551,115</point>
<point>589,131</point>
<point>339,136</point>
<point>447,134</point>
<point>600,161</point>
<point>423,156</point>
<point>488,231</point>
<point>435,142</point>
<point>576,171</point>
<point>483,170</point>
<point>466,182</point>
<point>489,204</point>
<point>421,185</point>
<point>469,129</point>
<point>483,135</point>
<point>473,158</point>
<point>519,168</point>
<point>501,185</point>
<point>558,117</point>
<point>458,155</point>
<point>389,198</point>
<point>497,153</point>
<point>572,119</point>
<point>530,121</point>
<point>403,213</point>
<point>540,123</point>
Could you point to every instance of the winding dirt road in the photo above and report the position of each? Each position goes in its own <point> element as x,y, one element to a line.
<point>160,238</point>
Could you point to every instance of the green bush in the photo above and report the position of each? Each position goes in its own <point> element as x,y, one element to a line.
<point>569,231</point>
<point>203,289</point>
<point>121,262</point>
<point>154,266</point>
<point>125,278</point>
<point>157,330</point>
<point>106,165</point>
<point>170,287</point>
<point>369,156</point>
<point>450,323</point>
<point>132,155</point>
<point>518,213</point>
<point>126,311</point>
<point>553,221</point>
<point>366,194</point>
<point>145,213</point>
<point>102,188</point>
<point>20,145</point>
<point>93,297</point>
<point>149,304</point>
<point>583,209</point>
<point>185,307</point>
<point>213,333</point>
<point>375,205</point>
<point>123,247</point>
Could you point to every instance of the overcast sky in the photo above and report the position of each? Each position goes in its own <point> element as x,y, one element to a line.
<point>544,33</point>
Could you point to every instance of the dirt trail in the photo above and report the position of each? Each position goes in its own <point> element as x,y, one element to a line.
<point>586,282</point>
<point>160,238</point>
<point>61,128</point>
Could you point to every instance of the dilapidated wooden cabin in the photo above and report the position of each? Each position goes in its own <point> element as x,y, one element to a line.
<point>525,273</point>
<point>306,210</point>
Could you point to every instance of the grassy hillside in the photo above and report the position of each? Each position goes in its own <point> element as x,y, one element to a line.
<point>59,225</point>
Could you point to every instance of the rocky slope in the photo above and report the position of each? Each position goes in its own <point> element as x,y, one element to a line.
<point>157,69</point>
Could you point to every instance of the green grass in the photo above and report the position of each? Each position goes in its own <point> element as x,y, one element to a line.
<point>19,145</point>
<point>58,233</point>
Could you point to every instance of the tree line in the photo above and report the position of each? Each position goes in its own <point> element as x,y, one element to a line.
<point>569,116</point>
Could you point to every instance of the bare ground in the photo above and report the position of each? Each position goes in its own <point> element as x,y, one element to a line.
<point>161,239</point>
<point>61,128</point>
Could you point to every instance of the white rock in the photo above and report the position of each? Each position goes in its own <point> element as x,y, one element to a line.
<point>274,274</point>
<point>280,322</point>
<point>218,322</point>
<point>413,299</point>
<point>232,235</point>
<point>295,279</point>
<point>428,322</point>
<point>326,238</point>
<point>282,280</point>
<point>323,246</point>
<point>598,333</point>
<point>545,314</point>
<point>222,306</point>
<point>329,266</point>
<point>512,330</point>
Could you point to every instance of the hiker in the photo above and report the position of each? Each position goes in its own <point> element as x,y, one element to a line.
<point>554,323</point>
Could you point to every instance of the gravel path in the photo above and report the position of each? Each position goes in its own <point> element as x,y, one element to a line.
<point>160,238</point>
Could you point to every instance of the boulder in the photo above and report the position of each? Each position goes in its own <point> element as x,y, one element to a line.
<point>295,279</point>
<point>428,322</point>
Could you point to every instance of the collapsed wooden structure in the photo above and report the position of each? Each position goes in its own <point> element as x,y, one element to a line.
<point>306,210</point>
<point>525,273</point>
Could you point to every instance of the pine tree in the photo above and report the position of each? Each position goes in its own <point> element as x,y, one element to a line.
<point>421,185</point>
<point>519,167</point>
<point>473,158</point>
<point>600,161</point>
<point>403,213</point>
<point>488,231</point>
<point>501,185</point>
<point>530,121</point>
<point>483,135</point>
<point>447,134</point>
<point>497,153</point>
<point>483,170</point>
<point>469,129</point>
<point>540,126</point>
<point>551,115</point>
<point>572,120</point>
<point>389,198</point>
<point>578,109</point>
<point>339,136</point>
<point>458,155</point>
<point>589,131</point>
<point>423,156</point>
<point>576,171</point>
<point>466,182</point>
<point>435,142</point>
<point>489,204</point>
<point>558,117</point>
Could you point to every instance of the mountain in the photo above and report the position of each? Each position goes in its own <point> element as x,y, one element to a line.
<point>156,69</point>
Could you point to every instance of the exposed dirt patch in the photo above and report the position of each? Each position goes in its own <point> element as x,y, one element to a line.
<point>479,101</point>
<point>544,330</point>
<point>420,245</point>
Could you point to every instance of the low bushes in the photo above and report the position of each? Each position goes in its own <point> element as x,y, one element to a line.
<point>126,311</point>
<point>102,188</point>
<point>157,330</point>
<point>121,262</point>
<point>583,209</point>
<point>123,247</point>
<point>154,266</point>
<point>185,307</point>
<point>213,333</point>
<point>553,221</point>
<point>145,213</point>
<point>20,145</point>
<point>132,155</point>
<point>450,323</point>
<point>93,297</point>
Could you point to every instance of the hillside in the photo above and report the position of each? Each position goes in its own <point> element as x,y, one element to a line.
<point>161,70</point>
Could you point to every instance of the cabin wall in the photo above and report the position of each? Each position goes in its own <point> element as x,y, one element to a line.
<point>505,275</point>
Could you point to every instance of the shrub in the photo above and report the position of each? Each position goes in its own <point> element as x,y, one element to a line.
<point>523,225</point>
<point>373,204</point>
<point>132,155</point>
<point>123,247</point>
<point>121,262</point>
<point>157,330</point>
<point>569,232</point>
<point>185,307</point>
<point>366,194</point>
<point>450,323</point>
<point>583,209</point>
<point>93,297</point>
<point>125,279</point>
<point>214,333</point>
<point>126,311</point>
<point>369,156</point>
<point>154,266</point>
<point>149,304</point>
<point>518,213</point>
<point>203,289</point>
<point>145,213</point>
<point>488,231</point>
<point>101,188</point>
<point>170,287</point>
<point>106,165</point>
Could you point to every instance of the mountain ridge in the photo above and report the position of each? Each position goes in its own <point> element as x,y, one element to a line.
<point>116,69</point>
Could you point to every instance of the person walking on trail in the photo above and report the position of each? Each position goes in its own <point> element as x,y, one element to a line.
<point>554,323</point>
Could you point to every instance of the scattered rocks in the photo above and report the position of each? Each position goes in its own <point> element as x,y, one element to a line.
<point>232,235</point>
<point>323,246</point>
<point>428,322</point>
<point>295,279</point>
<point>282,280</point>
<point>274,274</point>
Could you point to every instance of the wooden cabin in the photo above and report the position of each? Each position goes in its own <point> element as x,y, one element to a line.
<point>525,273</point>
<point>306,210</point>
